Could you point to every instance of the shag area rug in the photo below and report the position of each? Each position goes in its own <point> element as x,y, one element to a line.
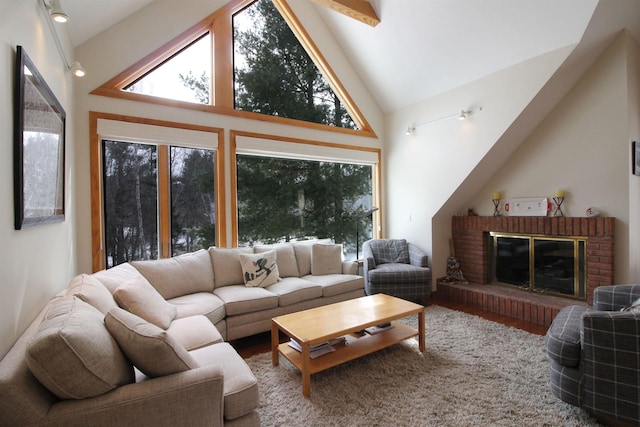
<point>474,372</point>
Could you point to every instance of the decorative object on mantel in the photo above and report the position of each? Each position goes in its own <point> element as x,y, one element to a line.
<point>496,203</point>
<point>454,273</point>
<point>471,212</point>
<point>558,198</point>
<point>592,212</point>
<point>527,206</point>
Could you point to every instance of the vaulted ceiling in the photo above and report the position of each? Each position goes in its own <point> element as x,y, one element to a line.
<point>422,48</point>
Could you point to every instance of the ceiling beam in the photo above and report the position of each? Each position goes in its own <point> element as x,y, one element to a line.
<point>356,9</point>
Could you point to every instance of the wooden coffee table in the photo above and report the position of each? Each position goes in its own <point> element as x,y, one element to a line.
<point>343,319</point>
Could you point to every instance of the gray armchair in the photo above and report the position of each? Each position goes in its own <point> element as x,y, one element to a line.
<point>595,355</point>
<point>396,267</point>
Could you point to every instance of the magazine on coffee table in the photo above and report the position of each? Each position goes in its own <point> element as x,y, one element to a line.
<point>319,349</point>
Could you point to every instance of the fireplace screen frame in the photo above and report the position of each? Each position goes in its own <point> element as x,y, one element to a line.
<point>579,252</point>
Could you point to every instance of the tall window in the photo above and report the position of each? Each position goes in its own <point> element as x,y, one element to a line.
<point>132,198</point>
<point>130,201</point>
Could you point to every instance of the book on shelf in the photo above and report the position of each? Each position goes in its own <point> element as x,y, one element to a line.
<point>319,349</point>
<point>372,330</point>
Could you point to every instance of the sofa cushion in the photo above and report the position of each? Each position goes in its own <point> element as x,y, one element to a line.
<point>259,269</point>
<point>326,259</point>
<point>115,276</point>
<point>241,299</point>
<point>140,298</point>
<point>563,336</point>
<point>287,263</point>
<point>336,284</point>
<point>303,254</point>
<point>73,354</point>
<point>92,291</point>
<point>398,273</point>
<point>240,385</point>
<point>291,290</point>
<point>204,303</point>
<point>226,265</point>
<point>180,275</point>
<point>151,349</point>
<point>194,332</point>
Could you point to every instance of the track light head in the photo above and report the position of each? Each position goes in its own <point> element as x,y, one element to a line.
<point>56,12</point>
<point>77,69</point>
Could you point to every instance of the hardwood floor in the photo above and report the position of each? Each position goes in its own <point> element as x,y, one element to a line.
<point>261,343</point>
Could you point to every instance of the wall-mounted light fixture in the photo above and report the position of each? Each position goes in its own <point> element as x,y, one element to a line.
<point>55,13</point>
<point>462,115</point>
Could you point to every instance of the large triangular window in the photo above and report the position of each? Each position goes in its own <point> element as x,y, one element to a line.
<point>260,67</point>
<point>273,73</point>
<point>185,76</point>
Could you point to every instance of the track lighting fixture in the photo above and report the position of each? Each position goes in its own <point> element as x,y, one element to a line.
<point>461,116</point>
<point>56,12</point>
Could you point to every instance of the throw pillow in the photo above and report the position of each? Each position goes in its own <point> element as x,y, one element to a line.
<point>260,269</point>
<point>635,306</point>
<point>287,264</point>
<point>180,275</point>
<point>152,350</point>
<point>73,354</point>
<point>139,297</point>
<point>92,291</point>
<point>226,265</point>
<point>326,259</point>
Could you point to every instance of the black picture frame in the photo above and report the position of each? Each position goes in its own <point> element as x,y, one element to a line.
<point>635,158</point>
<point>39,148</point>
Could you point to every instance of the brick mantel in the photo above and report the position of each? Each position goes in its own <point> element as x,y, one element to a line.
<point>472,245</point>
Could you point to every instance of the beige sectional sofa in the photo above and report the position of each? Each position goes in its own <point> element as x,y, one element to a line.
<point>143,343</point>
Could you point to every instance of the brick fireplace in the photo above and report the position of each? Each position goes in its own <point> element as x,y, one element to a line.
<point>472,251</point>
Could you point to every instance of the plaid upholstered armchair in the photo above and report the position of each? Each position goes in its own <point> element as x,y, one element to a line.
<point>396,267</point>
<point>595,355</point>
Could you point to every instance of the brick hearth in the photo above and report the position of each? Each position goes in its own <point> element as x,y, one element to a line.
<point>472,251</point>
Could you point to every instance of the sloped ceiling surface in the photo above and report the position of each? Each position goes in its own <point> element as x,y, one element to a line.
<point>426,47</point>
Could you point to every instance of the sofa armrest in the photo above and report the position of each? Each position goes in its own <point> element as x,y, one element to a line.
<point>611,364</point>
<point>417,256</point>
<point>616,297</point>
<point>194,397</point>
<point>349,267</point>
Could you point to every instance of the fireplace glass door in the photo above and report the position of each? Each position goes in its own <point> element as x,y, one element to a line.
<point>542,264</point>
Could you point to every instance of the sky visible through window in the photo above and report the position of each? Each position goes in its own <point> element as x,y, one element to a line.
<point>165,80</point>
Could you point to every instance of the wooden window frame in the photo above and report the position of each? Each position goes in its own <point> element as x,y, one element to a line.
<point>98,257</point>
<point>220,25</point>
<point>375,178</point>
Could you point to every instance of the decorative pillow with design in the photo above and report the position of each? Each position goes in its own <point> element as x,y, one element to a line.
<point>326,259</point>
<point>260,270</point>
<point>73,354</point>
<point>151,349</point>
<point>138,296</point>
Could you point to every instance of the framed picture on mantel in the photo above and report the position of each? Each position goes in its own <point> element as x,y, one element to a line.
<point>39,138</point>
<point>635,156</point>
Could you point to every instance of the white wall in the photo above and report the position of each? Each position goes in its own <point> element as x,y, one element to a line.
<point>122,45</point>
<point>424,171</point>
<point>35,263</point>
<point>583,148</point>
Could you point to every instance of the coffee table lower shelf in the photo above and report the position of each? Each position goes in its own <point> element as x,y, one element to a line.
<point>355,347</point>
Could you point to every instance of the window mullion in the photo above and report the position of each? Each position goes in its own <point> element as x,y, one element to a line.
<point>164,201</point>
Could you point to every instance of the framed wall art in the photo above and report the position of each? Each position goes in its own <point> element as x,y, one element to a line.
<point>39,148</point>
